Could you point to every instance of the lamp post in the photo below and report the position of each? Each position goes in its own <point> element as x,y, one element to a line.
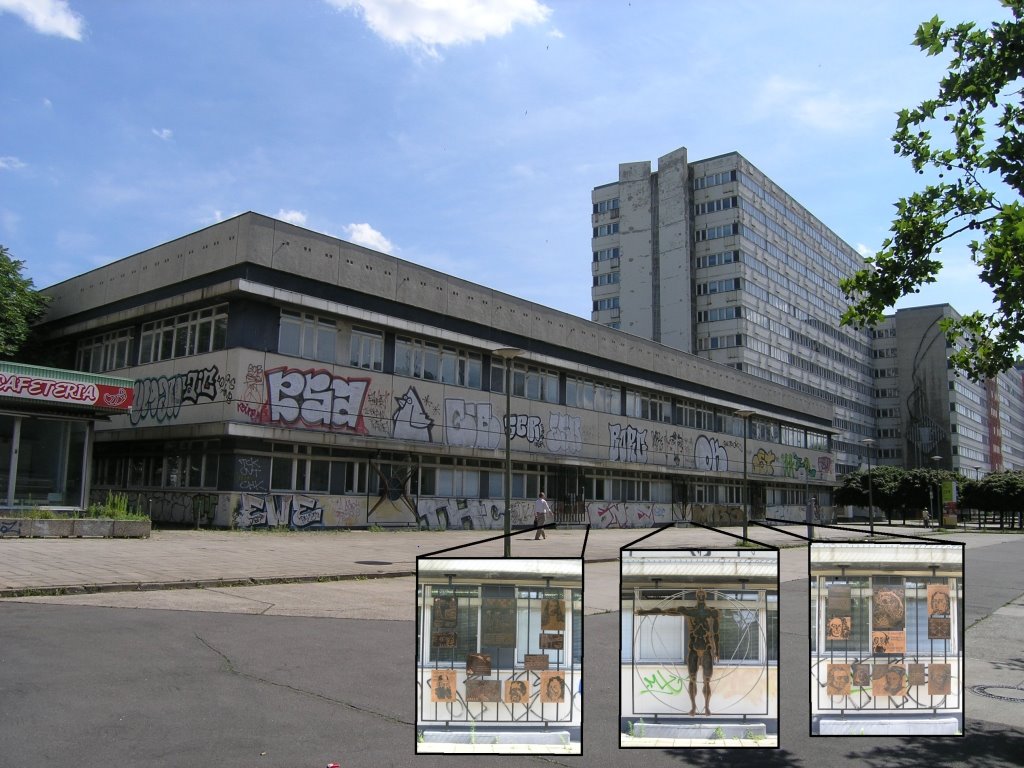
<point>870,442</point>
<point>508,354</point>
<point>745,414</point>
<point>938,494</point>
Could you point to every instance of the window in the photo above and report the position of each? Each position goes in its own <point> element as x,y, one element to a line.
<point>308,336</point>
<point>462,368</point>
<point>607,205</point>
<point>420,359</point>
<point>609,278</point>
<point>366,349</point>
<point>606,254</point>
<point>645,406</point>
<point>528,381</point>
<point>104,352</point>
<point>606,229</point>
<point>602,304</point>
<point>192,333</point>
<point>592,395</point>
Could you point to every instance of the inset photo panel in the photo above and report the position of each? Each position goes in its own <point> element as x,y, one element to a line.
<point>886,638</point>
<point>499,655</point>
<point>699,654</point>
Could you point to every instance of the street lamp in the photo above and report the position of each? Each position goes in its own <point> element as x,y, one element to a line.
<point>938,494</point>
<point>745,414</point>
<point>870,442</point>
<point>508,354</point>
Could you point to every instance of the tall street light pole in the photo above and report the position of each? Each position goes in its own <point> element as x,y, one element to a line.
<point>870,442</point>
<point>745,414</point>
<point>508,354</point>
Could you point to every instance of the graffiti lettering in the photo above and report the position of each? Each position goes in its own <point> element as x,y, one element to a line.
<point>528,428</point>
<point>565,433</point>
<point>251,472</point>
<point>295,511</point>
<point>160,398</point>
<point>763,462</point>
<point>410,419</point>
<point>316,398</point>
<point>627,444</point>
<point>471,425</point>
<point>663,681</point>
<point>710,456</point>
<point>794,465</point>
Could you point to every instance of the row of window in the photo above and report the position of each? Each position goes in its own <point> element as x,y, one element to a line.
<point>602,304</point>
<point>714,179</point>
<point>610,278</point>
<point>603,230</point>
<point>606,254</point>
<point>713,206</point>
<point>606,205</point>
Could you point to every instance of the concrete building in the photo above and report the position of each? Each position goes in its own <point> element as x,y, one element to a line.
<point>284,377</point>
<point>713,258</point>
<point>927,415</point>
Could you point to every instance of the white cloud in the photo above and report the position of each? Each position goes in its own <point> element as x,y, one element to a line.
<point>165,134</point>
<point>807,104</point>
<point>298,218</point>
<point>47,103</point>
<point>365,235</point>
<point>10,163</point>
<point>864,251</point>
<point>48,17</point>
<point>430,24</point>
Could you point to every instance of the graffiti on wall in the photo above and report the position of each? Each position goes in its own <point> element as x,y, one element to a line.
<point>252,473</point>
<point>270,510</point>
<point>471,425</point>
<point>794,465</point>
<point>528,428</point>
<point>161,398</point>
<point>410,421</point>
<point>253,396</point>
<point>565,433</point>
<point>314,398</point>
<point>627,444</point>
<point>709,455</point>
<point>393,506</point>
<point>603,514</point>
<point>824,466</point>
<point>763,462</point>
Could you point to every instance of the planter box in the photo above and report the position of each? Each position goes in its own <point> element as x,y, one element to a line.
<point>132,529</point>
<point>49,528</point>
<point>15,527</point>
<point>949,521</point>
<point>94,528</point>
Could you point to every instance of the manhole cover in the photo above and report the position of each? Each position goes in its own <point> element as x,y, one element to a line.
<point>1000,692</point>
<point>373,562</point>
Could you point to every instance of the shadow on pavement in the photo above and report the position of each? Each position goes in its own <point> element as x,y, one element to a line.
<point>987,744</point>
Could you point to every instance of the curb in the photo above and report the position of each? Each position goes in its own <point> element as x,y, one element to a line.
<point>149,586</point>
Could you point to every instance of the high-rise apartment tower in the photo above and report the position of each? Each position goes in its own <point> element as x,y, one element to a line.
<point>713,258</point>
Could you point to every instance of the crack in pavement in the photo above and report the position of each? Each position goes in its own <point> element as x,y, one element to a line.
<point>235,671</point>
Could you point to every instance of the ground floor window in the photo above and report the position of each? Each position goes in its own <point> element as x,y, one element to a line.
<point>42,461</point>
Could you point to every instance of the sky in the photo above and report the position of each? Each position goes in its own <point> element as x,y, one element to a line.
<point>462,135</point>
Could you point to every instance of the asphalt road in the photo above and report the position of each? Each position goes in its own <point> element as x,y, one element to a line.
<point>233,677</point>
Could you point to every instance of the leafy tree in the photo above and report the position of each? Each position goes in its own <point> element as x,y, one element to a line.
<point>20,304</point>
<point>978,190</point>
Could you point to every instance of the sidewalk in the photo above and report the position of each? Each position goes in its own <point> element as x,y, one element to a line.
<point>184,558</point>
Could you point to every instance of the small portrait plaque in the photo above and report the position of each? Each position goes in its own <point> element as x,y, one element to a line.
<point>861,674</point>
<point>888,643</point>
<point>552,615</point>
<point>940,679</point>
<point>483,690</point>
<point>938,600</point>
<point>888,608</point>
<point>552,687</point>
<point>838,601</point>
<point>442,685</point>
<point>517,691</point>
<point>839,628</point>
<point>893,682</point>
<point>838,682</point>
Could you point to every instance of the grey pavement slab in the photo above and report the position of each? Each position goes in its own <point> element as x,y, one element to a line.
<point>212,558</point>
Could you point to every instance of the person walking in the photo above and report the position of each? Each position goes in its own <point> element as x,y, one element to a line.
<point>541,510</point>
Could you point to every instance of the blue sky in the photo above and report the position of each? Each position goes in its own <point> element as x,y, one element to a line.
<point>466,139</point>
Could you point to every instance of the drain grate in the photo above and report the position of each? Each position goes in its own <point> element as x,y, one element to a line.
<point>1016,695</point>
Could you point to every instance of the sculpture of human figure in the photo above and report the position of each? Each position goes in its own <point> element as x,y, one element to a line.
<point>702,645</point>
